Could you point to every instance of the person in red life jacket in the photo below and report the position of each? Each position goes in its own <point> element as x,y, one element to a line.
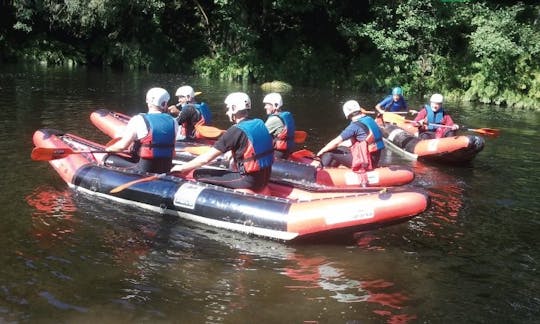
<point>366,142</point>
<point>153,135</point>
<point>251,146</point>
<point>189,113</point>
<point>394,102</point>
<point>280,124</point>
<point>433,115</point>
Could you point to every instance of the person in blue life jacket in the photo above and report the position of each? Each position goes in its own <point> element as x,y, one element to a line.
<point>152,136</point>
<point>394,102</point>
<point>189,113</point>
<point>250,143</point>
<point>280,124</point>
<point>366,142</point>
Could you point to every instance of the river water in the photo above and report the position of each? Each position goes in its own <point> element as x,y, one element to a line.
<point>472,257</point>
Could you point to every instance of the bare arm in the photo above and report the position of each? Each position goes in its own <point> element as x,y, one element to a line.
<point>331,145</point>
<point>199,161</point>
<point>379,108</point>
<point>123,143</point>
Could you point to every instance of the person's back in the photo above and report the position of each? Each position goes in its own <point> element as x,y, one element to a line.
<point>152,135</point>
<point>251,147</point>
<point>365,138</point>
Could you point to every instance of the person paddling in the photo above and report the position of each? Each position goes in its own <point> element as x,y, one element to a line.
<point>152,134</point>
<point>432,115</point>
<point>251,146</point>
<point>393,103</point>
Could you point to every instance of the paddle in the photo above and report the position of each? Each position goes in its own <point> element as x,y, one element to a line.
<point>303,154</point>
<point>134,182</point>
<point>214,132</point>
<point>370,112</point>
<point>485,131</point>
<point>300,137</point>
<point>393,118</point>
<point>197,150</point>
<point>48,154</point>
<point>209,131</point>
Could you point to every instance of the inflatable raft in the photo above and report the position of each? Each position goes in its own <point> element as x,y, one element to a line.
<point>283,171</point>
<point>400,137</point>
<point>282,212</point>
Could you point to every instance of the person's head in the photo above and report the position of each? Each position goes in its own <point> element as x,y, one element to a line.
<point>272,102</point>
<point>185,94</point>
<point>351,108</point>
<point>238,105</point>
<point>397,92</point>
<point>157,98</point>
<point>436,101</point>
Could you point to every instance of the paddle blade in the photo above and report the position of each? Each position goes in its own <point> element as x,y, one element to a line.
<point>487,131</point>
<point>300,137</point>
<point>393,118</point>
<point>134,182</point>
<point>48,154</point>
<point>197,150</point>
<point>304,153</point>
<point>209,131</point>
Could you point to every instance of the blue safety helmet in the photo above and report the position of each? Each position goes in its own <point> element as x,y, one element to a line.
<point>397,91</point>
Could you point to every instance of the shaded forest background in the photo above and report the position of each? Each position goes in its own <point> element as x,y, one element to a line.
<point>486,51</point>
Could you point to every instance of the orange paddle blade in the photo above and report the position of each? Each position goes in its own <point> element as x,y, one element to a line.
<point>209,131</point>
<point>48,154</point>
<point>197,150</point>
<point>486,131</point>
<point>300,137</point>
<point>302,154</point>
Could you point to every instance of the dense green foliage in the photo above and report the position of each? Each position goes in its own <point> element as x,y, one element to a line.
<point>484,51</point>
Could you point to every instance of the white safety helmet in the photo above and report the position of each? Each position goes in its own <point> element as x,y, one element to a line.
<point>158,97</point>
<point>237,101</point>
<point>274,99</point>
<point>185,91</point>
<point>350,107</point>
<point>436,98</point>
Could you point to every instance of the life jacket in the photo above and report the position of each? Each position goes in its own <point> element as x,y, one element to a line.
<point>375,136</point>
<point>433,117</point>
<point>205,117</point>
<point>259,153</point>
<point>284,141</point>
<point>159,143</point>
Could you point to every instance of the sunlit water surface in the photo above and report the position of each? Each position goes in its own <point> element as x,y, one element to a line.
<point>471,257</point>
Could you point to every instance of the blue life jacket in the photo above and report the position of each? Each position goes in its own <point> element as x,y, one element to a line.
<point>433,117</point>
<point>394,106</point>
<point>204,110</point>
<point>259,153</point>
<point>284,141</point>
<point>377,142</point>
<point>161,138</point>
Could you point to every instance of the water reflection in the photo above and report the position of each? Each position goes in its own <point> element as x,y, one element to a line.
<point>310,273</point>
<point>52,218</point>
